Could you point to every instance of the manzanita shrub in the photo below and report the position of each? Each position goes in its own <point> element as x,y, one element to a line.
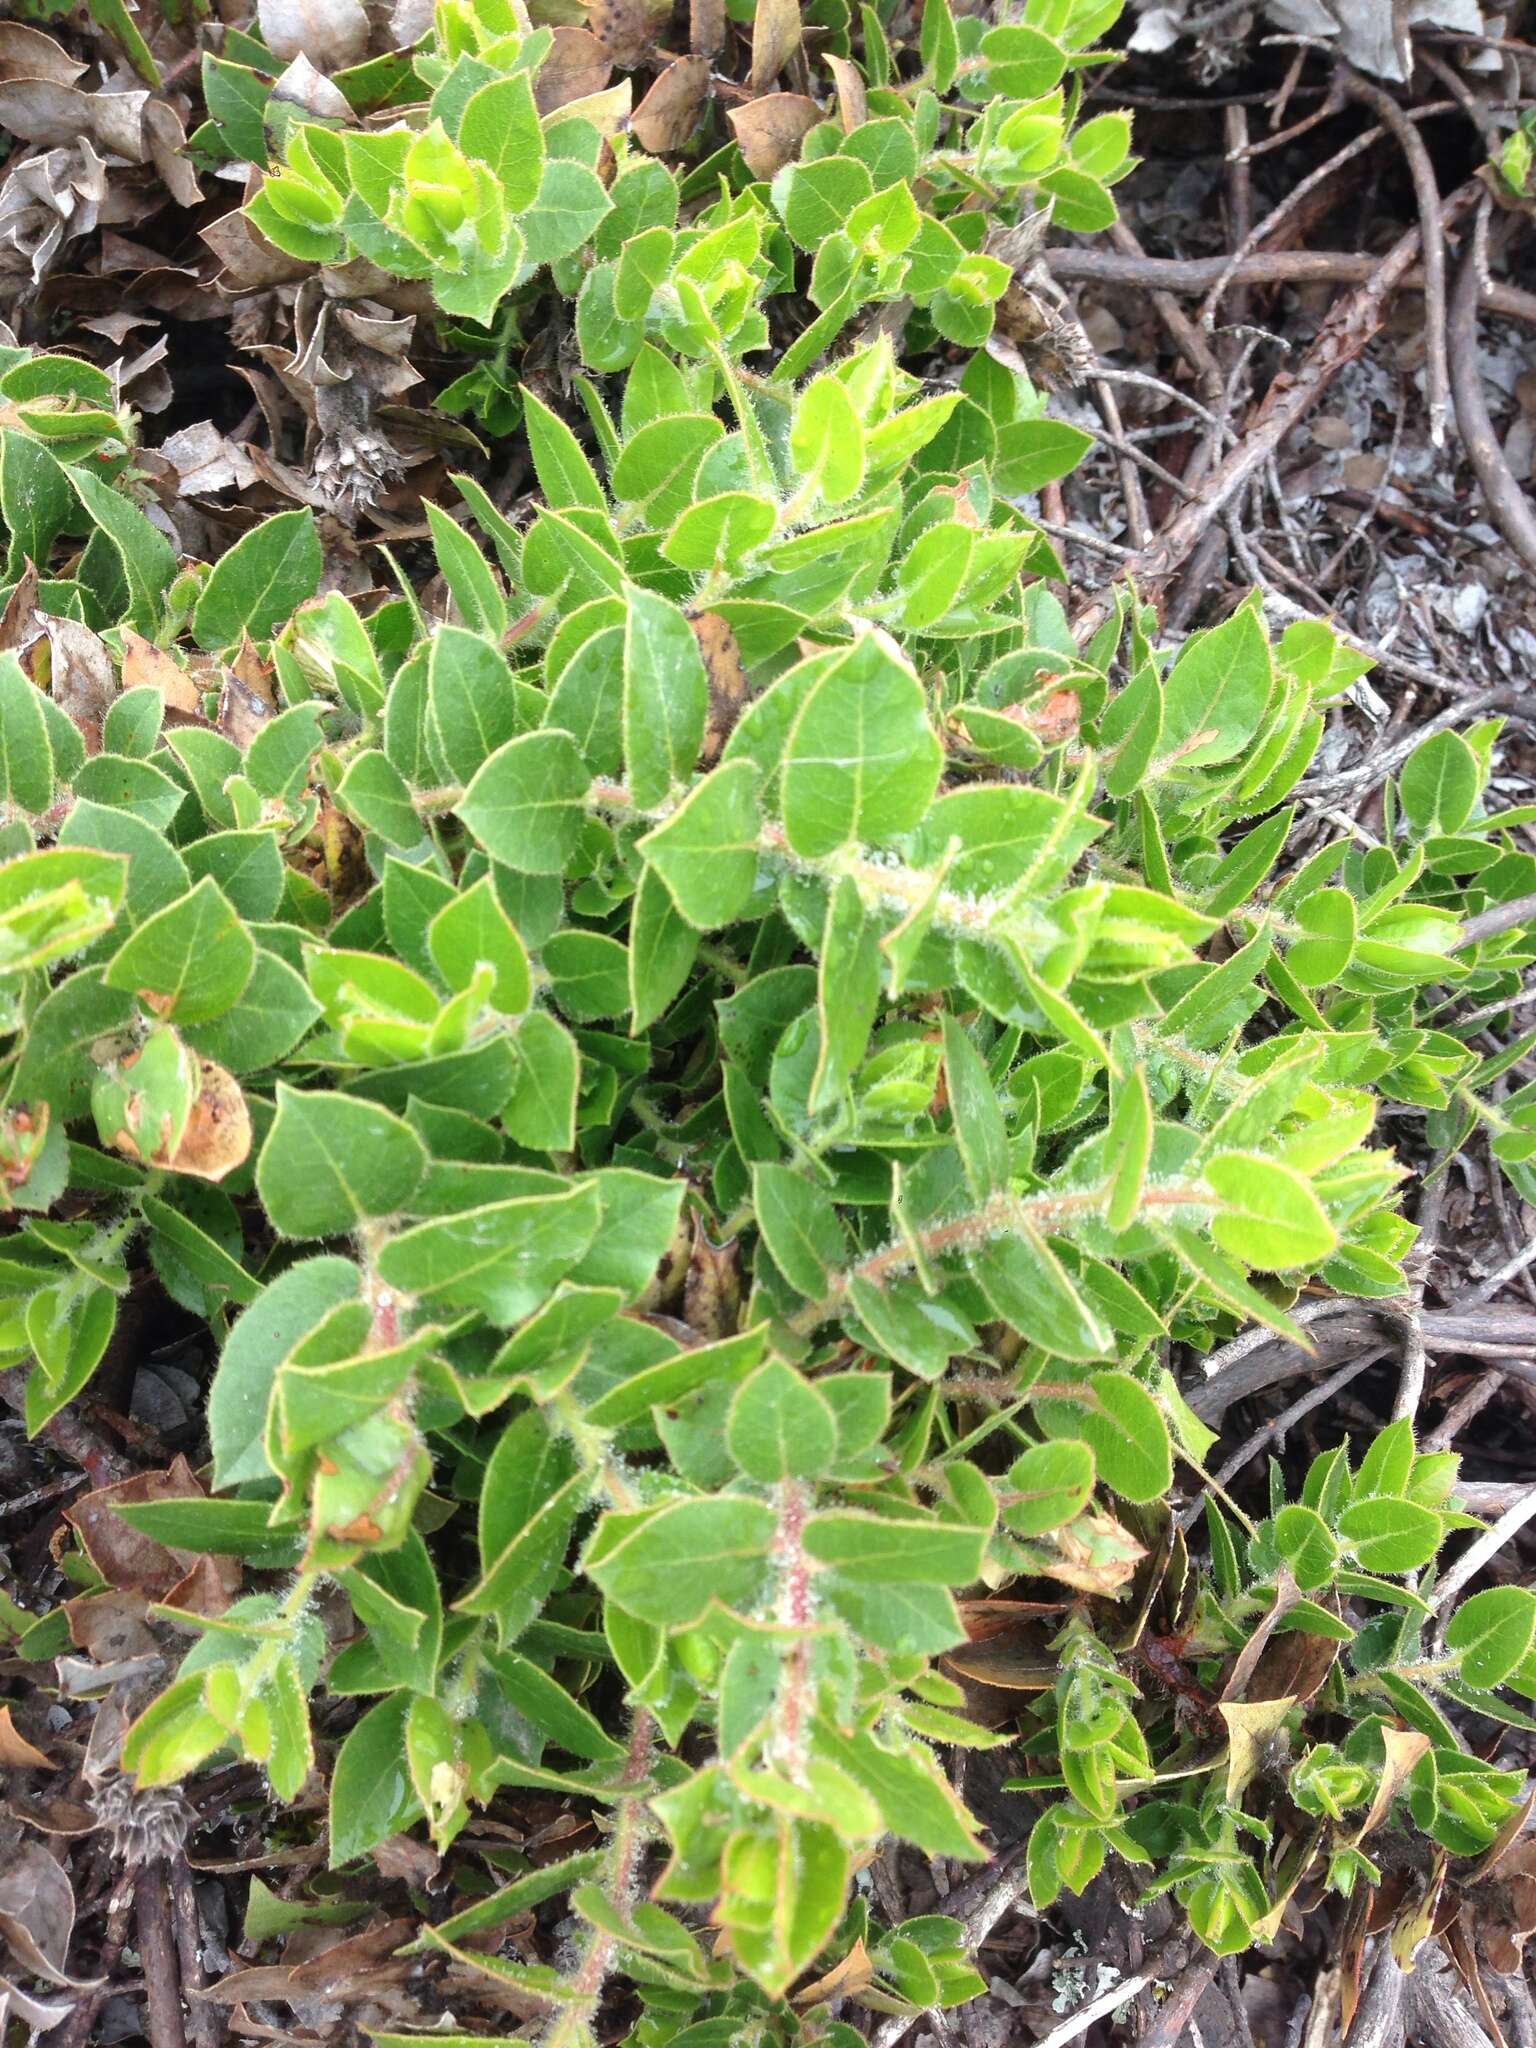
<point>696,1085</point>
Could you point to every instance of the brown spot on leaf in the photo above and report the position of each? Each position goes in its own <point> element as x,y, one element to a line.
<point>218,1134</point>
<point>727,679</point>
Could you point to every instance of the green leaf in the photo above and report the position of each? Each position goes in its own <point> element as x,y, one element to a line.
<point>1216,692</point>
<point>331,1162</point>
<point>887,1550</point>
<point>191,961</point>
<point>826,440</point>
<point>799,1226</point>
<point>1028,1286</point>
<point>1391,1536</point>
<point>371,1796</point>
<point>1328,922</point>
<point>500,128</point>
<point>666,697</point>
<point>909,1789</point>
<point>531,1494</point>
<point>1022,63</point>
<point>1128,1142</point>
<point>262,581</point>
<point>717,1365</point>
<point>550,1709</point>
<point>780,1426</point>
<point>296,1303</point>
<point>474,931</point>
<point>662,949</point>
<point>503,1258</point>
<point>979,1128</point>
<point>146,559</point>
<point>1122,1425</point>
<point>1269,1218</point>
<point>668,1565</point>
<point>1034,453</point>
<point>571,202</point>
<point>1306,1543</point>
<point>26,757</point>
<point>1440,784</point>
<point>1051,1485</point>
<point>861,761</point>
<point>565,475</point>
<point>470,579</point>
<point>1387,1466</point>
<point>706,852</point>
<point>472,704</point>
<point>525,804</point>
<point>1492,1633</point>
<point>541,1112</point>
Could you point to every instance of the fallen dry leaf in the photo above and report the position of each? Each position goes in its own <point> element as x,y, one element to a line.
<point>775,39</point>
<point>249,258</point>
<point>80,677</point>
<point>712,1290</point>
<point>576,65</point>
<point>16,1753</point>
<point>48,200</point>
<point>770,130</point>
<point>852,97</point>
<point>330,33</point>
<point>607,110</point>
<point>37,1912</point>
<point>135,1563</point>
<point>111,1627</point>
<point>348,1967</point>
<point>144,662</point>
<point>28,53</point>
<point>627,29</point>
<point>242,711</point>
<point>301,85</point>
<point>844,1980</point>
<point>207,461</point>
<point>706,27</point>
<point>669,113</point>
<point>18,628</point>
<point>43,110</point>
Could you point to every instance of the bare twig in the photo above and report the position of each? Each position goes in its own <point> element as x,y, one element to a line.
<point>1427,196</point>
<point>1126,459</point>
<point>1259,1334</point>
<point>1485,1290</point>
<point>1384,759</point>
<point>1347,328</point>
<point>157,1953</point>
<point>1279,1424</point>
<point>202,2020</point>
<point>1187,337</point>
<point>1277,216</point>
<point>1477,1554</point>
<point>1501,917</point>
<point>1269,267</point>
<point>1379,2019</point>
<point>1508,505</point>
